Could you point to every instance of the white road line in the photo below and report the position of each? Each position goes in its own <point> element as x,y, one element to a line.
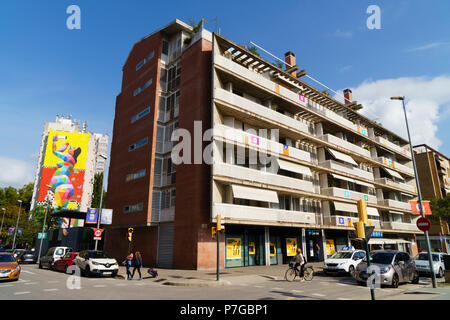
<point>277,288</point>
<point>6,285</point>
<point>26,271</point>
<point>30,283</point>
<point>342,299</point>
<point>121,284</point>
<point>22,292</point>
<point>48,290</point>
<point>99,286</point>
<point>343,284</point>
<point>53,281</point>
<point>259,286</point>
<point>299,291</point>
<point>243,284</point>
<point>318,295</point>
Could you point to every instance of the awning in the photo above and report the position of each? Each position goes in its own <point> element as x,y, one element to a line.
<point>336,176</point>
<point>343,157</point>
<point>372,212</point>
<point>396,212</point>
<point>393,173</point>
<point>257,194</point>
<point>365,184</point>
<point>345,207</point>
<point>403,241</point>
<point>376,241</point>
<point>294,167</point>
<point>390,241</point>
<point>387,241</point>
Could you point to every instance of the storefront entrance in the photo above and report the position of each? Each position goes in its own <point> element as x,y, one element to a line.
<point>244,246</point>
<point>314,245</point>
<point>335,241</point>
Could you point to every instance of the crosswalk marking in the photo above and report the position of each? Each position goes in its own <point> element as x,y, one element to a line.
<point>48,290</point>
<point>22,292</point>
<point>318,295</point>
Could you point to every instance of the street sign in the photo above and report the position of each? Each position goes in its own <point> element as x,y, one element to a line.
<point>106,216</point>
<point>415,207</point>
<point>97,233</point>
<point>91,216</point>
<point>42,235</point>
<point>11,231</point>
<point>423,224</point>
<point>369,231</point>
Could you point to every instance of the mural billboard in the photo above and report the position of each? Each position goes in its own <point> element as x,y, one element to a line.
<point>63,171</point>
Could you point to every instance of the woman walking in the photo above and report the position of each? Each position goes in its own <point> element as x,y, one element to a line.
<point>128,263</point>
<point>137,265</point>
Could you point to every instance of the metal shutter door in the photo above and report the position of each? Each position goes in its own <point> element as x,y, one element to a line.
<point>165,245</point>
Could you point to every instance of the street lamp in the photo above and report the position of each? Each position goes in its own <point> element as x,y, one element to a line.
<point>1,227</point>
<point>101,200</point>
<point>17,224</point>
<point>427,239</point>
<point>43,229</point>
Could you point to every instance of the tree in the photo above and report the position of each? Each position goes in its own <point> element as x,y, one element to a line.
<point>98,181</point>
<point>441,209</point>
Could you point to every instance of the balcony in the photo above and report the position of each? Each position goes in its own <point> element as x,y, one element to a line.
<point>396,165</point>
<point>399,226</point>
<point>348,194</point>
<point>343,221</point>
<point>347,169</point>
<point>257,214</point>
<point>167,215</point>
<point>393,146</point>
<point>404,186</point>
<point>263,178</point>
<point>395,204</point>
<point>345,144</point>
<point>261,143</point>
<point>249,106</point>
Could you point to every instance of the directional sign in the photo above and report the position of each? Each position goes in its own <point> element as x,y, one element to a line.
<point>423,224</point>
<point>369,231</point>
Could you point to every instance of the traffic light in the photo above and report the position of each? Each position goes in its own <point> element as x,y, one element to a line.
<point>130,234</point>
<point>362,212</point>
<point>213,232</point>
<point>360,230</point>
<point>219,222</point>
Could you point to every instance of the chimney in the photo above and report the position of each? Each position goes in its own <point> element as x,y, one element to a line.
<point>289,58</point>
<point>348,96</point>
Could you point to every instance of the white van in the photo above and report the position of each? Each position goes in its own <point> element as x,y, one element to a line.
<point>53,254</point>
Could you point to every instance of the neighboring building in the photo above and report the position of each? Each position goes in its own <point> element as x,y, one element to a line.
<point>433,169</point>
<point>82,176</point>
<point>324,157</point>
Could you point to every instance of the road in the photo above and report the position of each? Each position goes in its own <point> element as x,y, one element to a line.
<point>42,284</point>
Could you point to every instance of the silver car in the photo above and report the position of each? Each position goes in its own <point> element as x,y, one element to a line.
<point>392,267</point>
<point>423,265</point>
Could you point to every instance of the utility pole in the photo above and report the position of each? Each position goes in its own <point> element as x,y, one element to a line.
<point>215,233</point>
<point>1,227</point>
<point>17,224</point>
<point>101,200</point>
<point>43,229</point>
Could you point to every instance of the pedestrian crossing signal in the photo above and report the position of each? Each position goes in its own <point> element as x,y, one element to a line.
<point>213,232</point>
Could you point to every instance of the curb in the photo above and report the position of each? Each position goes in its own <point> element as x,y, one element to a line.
<point>197,283</point>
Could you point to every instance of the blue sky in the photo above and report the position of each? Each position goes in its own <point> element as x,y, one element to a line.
<point>47,69</point>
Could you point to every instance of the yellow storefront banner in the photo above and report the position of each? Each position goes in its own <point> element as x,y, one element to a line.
<point>74,140</point>
<point>233,248</point>
<point>291,247</point>
<point>330,247</point>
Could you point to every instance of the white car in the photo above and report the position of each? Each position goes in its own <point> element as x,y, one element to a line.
<point>344,261</point>
<point>93,262</point>
<point>423,265</point>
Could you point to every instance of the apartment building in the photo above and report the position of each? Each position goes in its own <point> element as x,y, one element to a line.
<point>433,169</point>
<point>287,163</point>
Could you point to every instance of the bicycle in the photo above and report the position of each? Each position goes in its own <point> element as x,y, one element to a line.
<point>293,272</point>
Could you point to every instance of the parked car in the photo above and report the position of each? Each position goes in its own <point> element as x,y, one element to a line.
<point>28,257</point>
<point>9,268</point>
<point>393,268</point>
<point>17,252</point>
<point>66,261</point>
<point>344,261</point>
<point>53,255</point>
<point>423,265</point>
<point>98,262</point>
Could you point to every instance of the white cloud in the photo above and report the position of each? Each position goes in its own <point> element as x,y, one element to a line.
<point>429,46</point>
<point>427,102</point>
<point>343,34</point>
<point>345,69</point>
<point>15,173</point>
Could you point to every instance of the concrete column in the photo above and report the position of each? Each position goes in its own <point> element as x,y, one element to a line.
<point>321,154</point>
<point>229,87</point>
<point>373,152</point>
<point>319,129</point>
<point>304,241</point>
<point>267,245</point>
<point>324,245</point>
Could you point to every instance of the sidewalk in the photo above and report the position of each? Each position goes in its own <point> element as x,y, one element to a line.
<point>425,292</point>
<point>227,276</point>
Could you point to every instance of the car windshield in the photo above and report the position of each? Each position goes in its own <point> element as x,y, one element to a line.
<point>382,257</point>
<point>99,255</point>
<point>341,255</point>
<point>7,258</point>
<point>424,257</point>
<point>28,252</point>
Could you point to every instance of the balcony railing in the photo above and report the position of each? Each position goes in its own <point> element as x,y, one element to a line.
<point>395,204</point>
<point>349,194</point>
<point>260,142</point>
<point>399,226</point>
<point>393,146</point>
<point>167,215</point>
<point>396,165</point>
<point>347,169</point>
<point>237,212</point>
<point>343,221</point>
<point>242,173</point>
<point>345,144</point>
<point>403,186</point>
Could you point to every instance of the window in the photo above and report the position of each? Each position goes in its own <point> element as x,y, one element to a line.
<point>142,88</point>
<point>136,175</point>
<point>165,47</point>
<point>133,208</point>
<point>139,144</point>
<point>146,59</point>
<point>173,79</point>
<point>140,115</point>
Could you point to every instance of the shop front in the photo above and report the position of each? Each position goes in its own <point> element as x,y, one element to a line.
<point>314,245</point>
<point>244,246</point>
<point>335,240</point>
<point>283,244</point>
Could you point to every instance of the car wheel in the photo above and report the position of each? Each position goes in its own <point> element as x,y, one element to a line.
<point>351,270</point>
<point>395,281</point>
<point>440,273</point>
<point>415,280</point>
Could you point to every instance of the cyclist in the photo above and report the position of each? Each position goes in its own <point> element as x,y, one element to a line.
<point>300,261</point>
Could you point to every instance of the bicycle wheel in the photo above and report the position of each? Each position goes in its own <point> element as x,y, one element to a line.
<point>309,273</point>
<point>290,274</point>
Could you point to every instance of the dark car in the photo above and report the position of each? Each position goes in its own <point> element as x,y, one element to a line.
<point>53,254</point>
<point>28,257</point>
<point>18,252</point>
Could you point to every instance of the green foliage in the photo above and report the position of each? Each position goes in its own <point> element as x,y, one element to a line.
<point>356,107</point>
<point>326,92</point>
<point>98,181</point>
<point>278,64</point>
<point>254,50</point>
<point>196,26</point>
<point>441,209</point>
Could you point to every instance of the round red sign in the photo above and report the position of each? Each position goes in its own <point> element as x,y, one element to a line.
<point>423,224</point>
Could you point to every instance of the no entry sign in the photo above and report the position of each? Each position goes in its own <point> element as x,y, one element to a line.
<point>423,224</point>
<point>97,233</point>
